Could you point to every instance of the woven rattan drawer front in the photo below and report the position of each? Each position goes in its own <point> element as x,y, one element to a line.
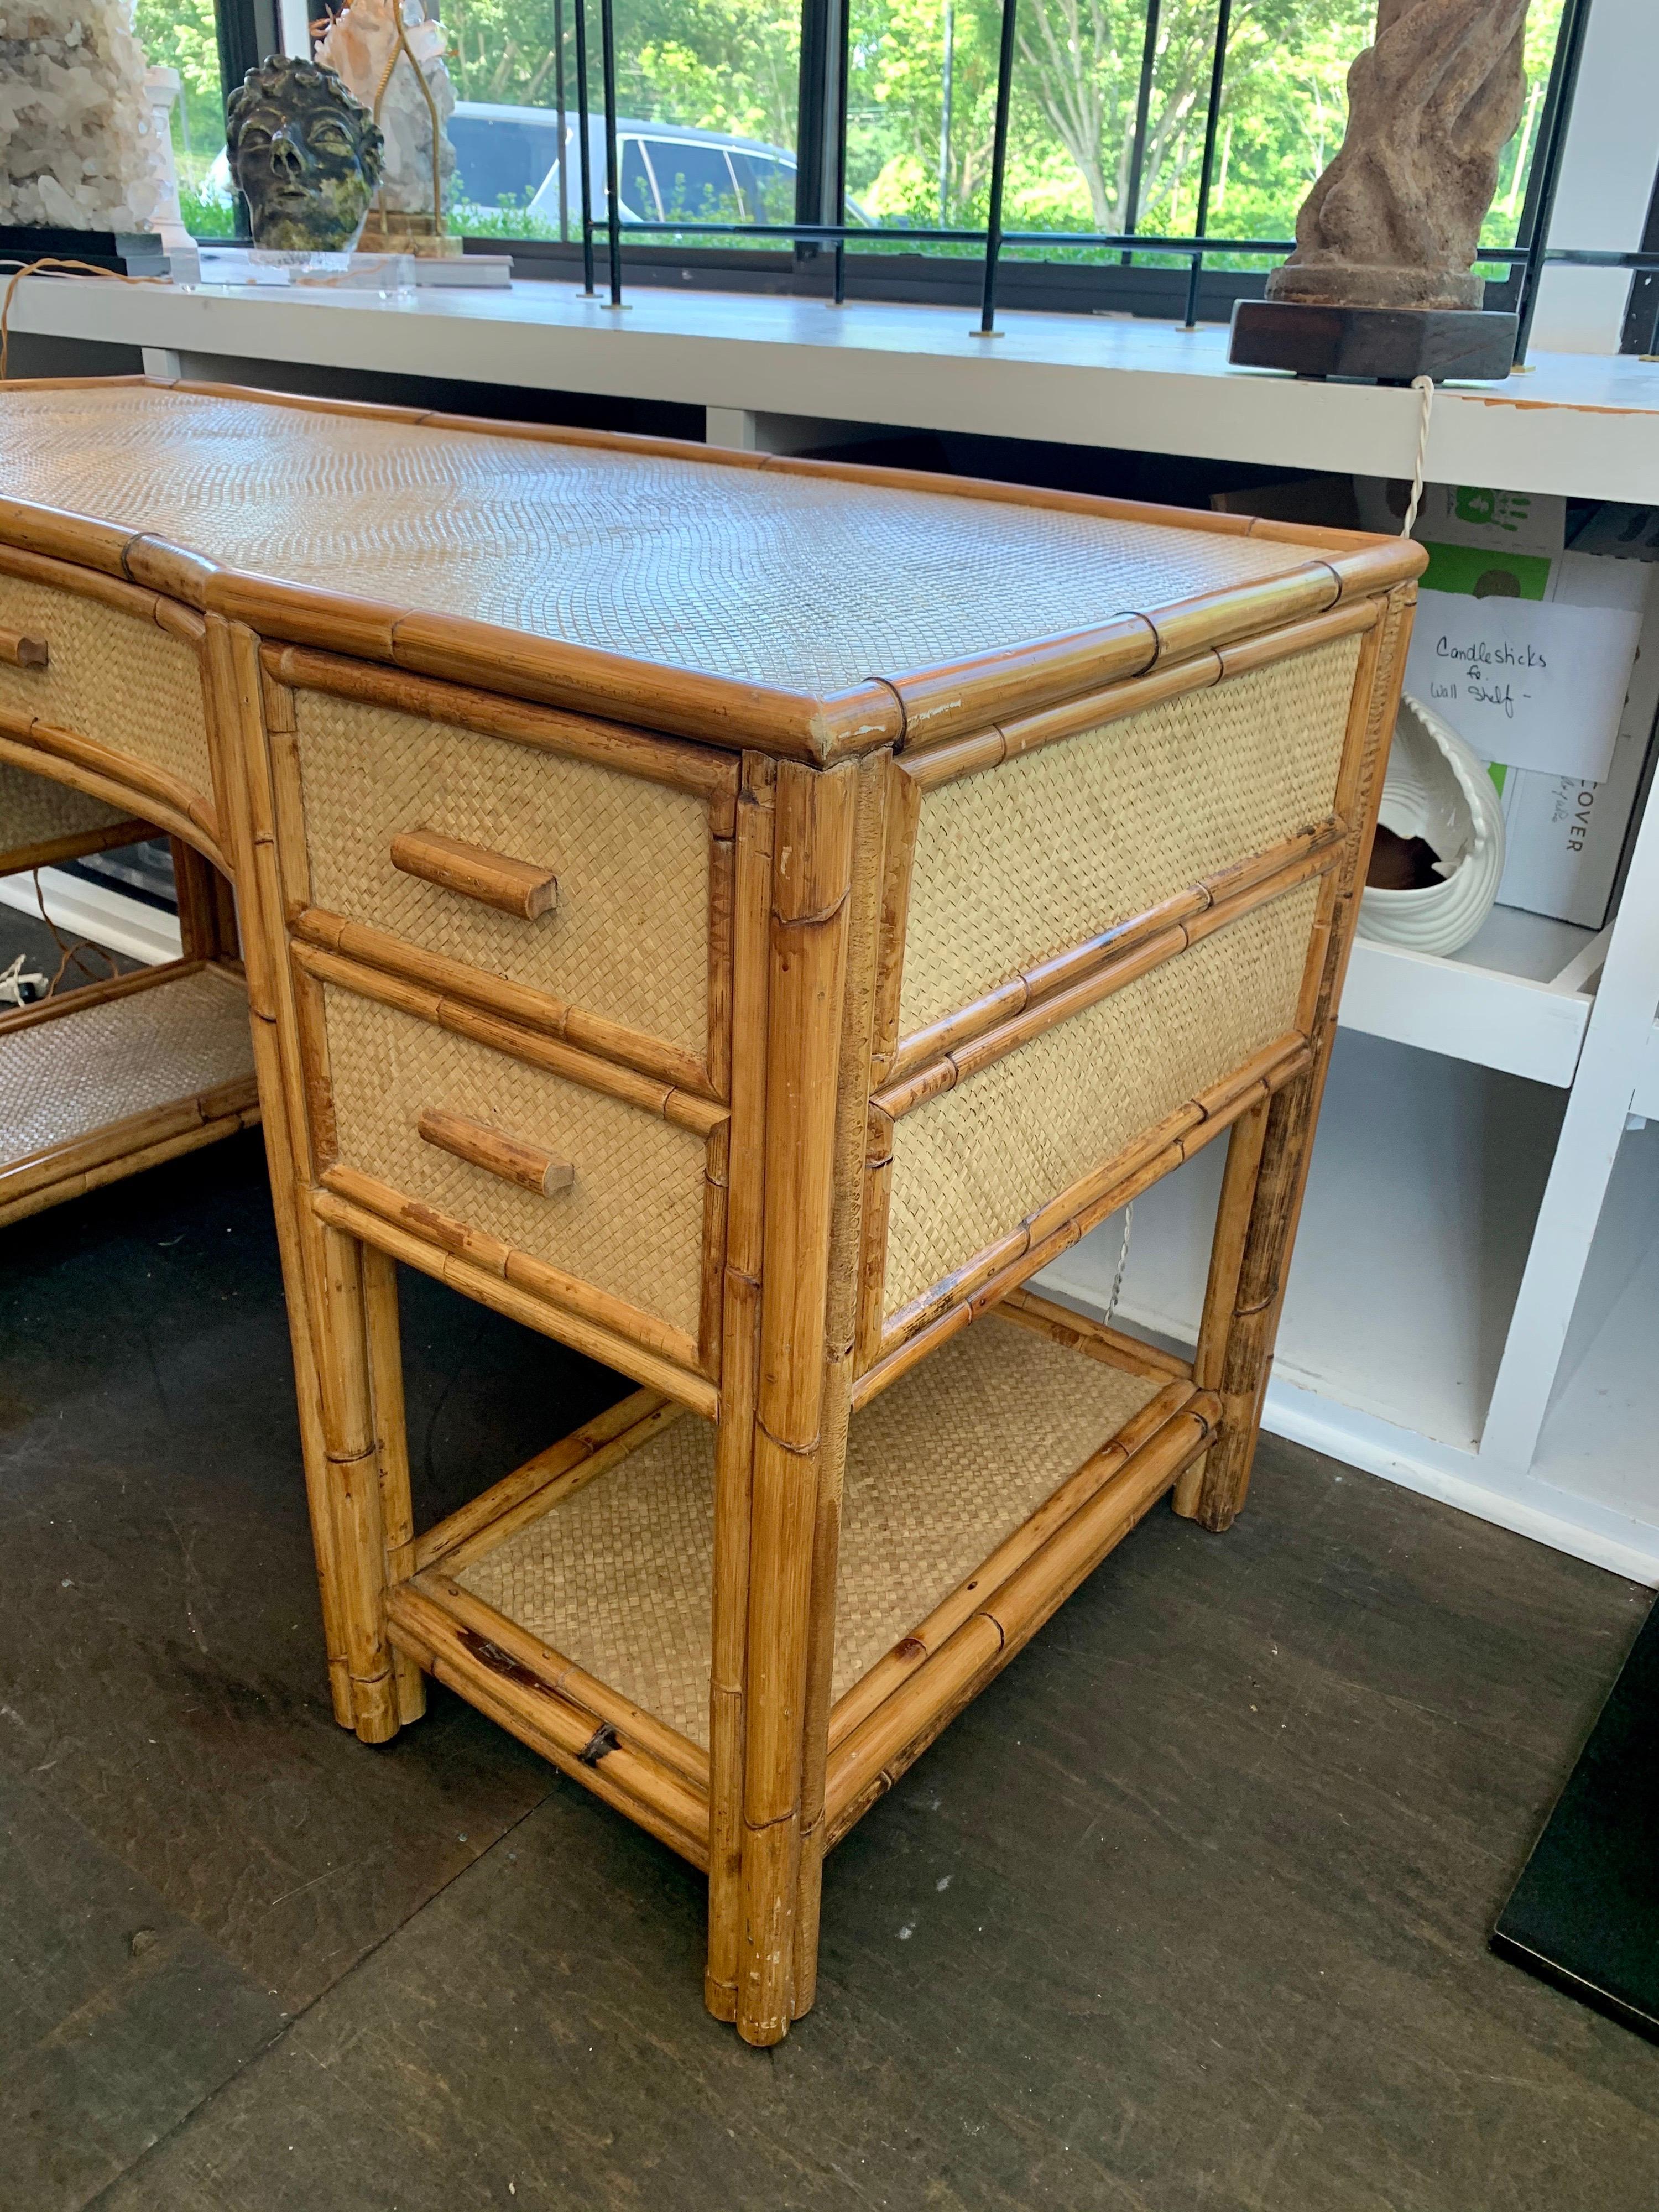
<point>1017,864</point>
<point>630,1224</point>
<point>116,677</point>
<point>36,808</point>
<point>972,1163</point>
<point>628,937</point>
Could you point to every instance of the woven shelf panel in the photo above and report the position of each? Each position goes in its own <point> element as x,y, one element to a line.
<point>812,584</point>
<point>629,936</point>
<point>632,1224</point>
<point>939,1469</point>
<point>970,1164</point>
<point>63,1078</point>
<point>112,676</point>
<point>34,808</point>
<point>1015,864</point>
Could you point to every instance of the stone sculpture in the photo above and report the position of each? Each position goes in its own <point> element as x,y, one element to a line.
<point>78,150</point>
<point>406,85</point>
<point>1396,220</point>
<point>1382,282</point>
<point>304,154</point>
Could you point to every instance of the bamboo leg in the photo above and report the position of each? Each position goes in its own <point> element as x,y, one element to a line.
<point>1245,1361</point>
<point>335,1271</point>
<point>386,1369</point>
<point>734,1441</point>
<point>842,1323</point>
<point>321,1272</point>
<point>199,913</point>
<point>1247,1355</point>
<point>234,719</point>
<point>314,1450</point>
<point>793,1441</point>
<point>1238,1187</point>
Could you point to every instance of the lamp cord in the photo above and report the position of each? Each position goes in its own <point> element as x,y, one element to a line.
<point>1424,386</point>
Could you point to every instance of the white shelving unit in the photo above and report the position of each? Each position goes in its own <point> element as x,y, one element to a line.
<point>1475,1309</point>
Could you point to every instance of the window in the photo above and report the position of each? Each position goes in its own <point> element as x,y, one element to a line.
<point>183,35</point>
<point>1109,112</point>
<point>712,69</point>
<point>890,105</point>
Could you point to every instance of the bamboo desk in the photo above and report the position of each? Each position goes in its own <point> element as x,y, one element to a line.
<point>686,912</point>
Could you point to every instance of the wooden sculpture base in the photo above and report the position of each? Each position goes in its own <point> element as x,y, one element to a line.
<point>1385,345</point>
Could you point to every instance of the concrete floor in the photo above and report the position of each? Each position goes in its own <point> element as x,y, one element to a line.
<point>1188,1911</point>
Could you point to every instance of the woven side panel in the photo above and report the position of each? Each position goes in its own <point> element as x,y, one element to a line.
<point>65,1077</point>
<point>969,1165</point>
<point>629,935</point>
<point>633,1223</point>
<point>939,1470</point>
<point>1017,864</point>
<point>112,676</point>
<point>810,583</point>
<point>34,808</point>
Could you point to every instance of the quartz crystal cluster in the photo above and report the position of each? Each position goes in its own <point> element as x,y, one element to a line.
<point>78,148</point>
<point>362,47</point>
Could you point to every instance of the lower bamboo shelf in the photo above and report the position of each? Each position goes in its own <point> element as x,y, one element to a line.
<point>571,1602</point>
<point>120,1076</point>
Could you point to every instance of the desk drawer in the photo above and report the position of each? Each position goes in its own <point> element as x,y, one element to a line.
<point>629,1220</point>
<point>1023,861</point>
<point>971,1164</point>
<point>627,935</point>
<point>113,675</point>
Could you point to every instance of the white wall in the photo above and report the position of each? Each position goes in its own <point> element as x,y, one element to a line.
<point>1612,149</point>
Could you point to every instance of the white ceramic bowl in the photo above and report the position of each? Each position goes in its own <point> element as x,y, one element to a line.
<point>1436,788</point>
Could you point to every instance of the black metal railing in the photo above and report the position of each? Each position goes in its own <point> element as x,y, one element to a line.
<point>1525,260</point>
<point>821,226</point>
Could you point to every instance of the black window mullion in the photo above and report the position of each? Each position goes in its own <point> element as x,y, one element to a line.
<point>820,154</point>
<point>1642,308</point>
<point>249,30</point>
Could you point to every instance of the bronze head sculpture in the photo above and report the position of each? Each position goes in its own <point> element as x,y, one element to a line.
<point>305,153</point>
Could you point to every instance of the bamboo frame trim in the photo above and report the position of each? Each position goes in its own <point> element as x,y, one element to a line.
<point>688,1761</point>
<point>134,1134</point>
<point>1073,981</point>
<point>115,777</point>
<point>1049,978</point>
<point>701,1115</point>
<point>945,760</point>
<point>542,1705</point>
<point>98,995</point>
<point>983,1281</point>
<point>506,1297</point>
<point>686,702</point>
<point>631,751</point>
<point>494,1514</point>
<point>1096,1339</point>
<point>190,1139</point>
<point>595,1034</point>
<point>1109,1499</point>
<point>75,845</point>
<point>539,1278</point>
<point>895,1666</point>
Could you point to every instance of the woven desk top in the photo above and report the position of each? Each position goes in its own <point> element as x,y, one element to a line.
<point>807,582</point>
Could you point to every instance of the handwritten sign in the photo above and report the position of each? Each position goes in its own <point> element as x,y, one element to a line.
<point>1536,684</point>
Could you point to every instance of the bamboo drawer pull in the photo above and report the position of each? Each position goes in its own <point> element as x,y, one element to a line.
<point>527,1165</point>
<point>516,887</point>
<point>18,651</point>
